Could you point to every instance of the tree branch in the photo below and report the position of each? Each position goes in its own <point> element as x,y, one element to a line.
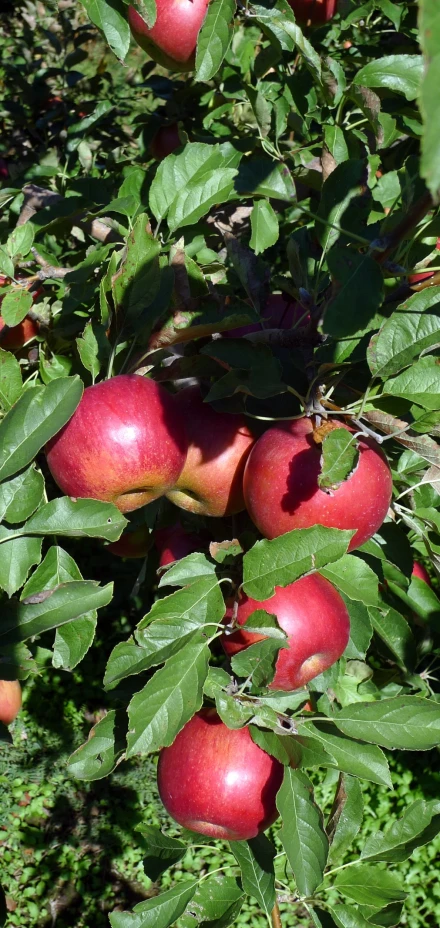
<point>36,198</point>
<point>276,917</point>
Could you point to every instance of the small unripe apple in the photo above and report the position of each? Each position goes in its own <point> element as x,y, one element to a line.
<point>281,485</point>
<point>165,141</point>
<point>10,700</point>
<point>136,543</point>
<point>172,40</point>
<point>174,542</point>
<point>317,624</point>
<point>217,781</point>
<point>280,312</point>
<point>211,482</point>
<point>125,444</point>
<point>313,12</point>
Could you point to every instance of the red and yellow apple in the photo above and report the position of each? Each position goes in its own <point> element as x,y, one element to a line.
<point>218,782</point>
<point>174,542</point>
<point>281,485</point>
<point>10,700</point>
<point>124,444</point>
<point>420,571</point>
<point>316,622</point>
<point>173,38</point>
<point>211,482</point>
<point>132,544</point>
<point>165,141</point>
<point>313,12</point>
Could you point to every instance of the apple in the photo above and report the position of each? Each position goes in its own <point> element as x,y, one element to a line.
<point>174,542</point>
<point>14,337</point>
<point>125,443</point>
<point>280,312</point>
<point>4,170</point>
<point>165,141</point>
<point>173,38</point>
<point>420,571</point>
<point>211,482</point>
<point>281,485</point>
<point>10,700</point>
<point>217,781</point>
<point>317,624</point>
<point>135,543</point>
<point>313,12</point>
<point>423,275</point>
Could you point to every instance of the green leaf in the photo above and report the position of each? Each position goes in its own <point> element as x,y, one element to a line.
<point>255,859</point>
<point>302,834</point>
<point>24,620</point>
<point>345,916</point>
<point>98,756</point>
<point>137,281</point>
<point>159,912</point>
<point>286,558</point>
<point>365,761</point>
<point>146,9</point>
<point>10,380</point>
<point>359,283</point>
<point>216,903</point>
<point>73,641</point>
<point>214,38</point>
<point>429,37</point>
<point>110,17</point>
<point>38,415</point>
<point>264,225</point>
<point>174,618</point>
<point>346,816</point>
<point>419,383</point>
<point>196,163</point>
<point>354,578</point>
<point>369,885</point>
<point>190,568</point>
<point>360,630</point>
<point>258,661</point>
<point>284,748</point>
<point>162,851</point>
<point>6,265</point>
<point>395,632</point>
<point>197,198</point>
<point>21,495</point>
<point>335,143</point>
<point>399,73</point>
<point>168,701</point>
<point>260,177</point>
<point>340,197</point>
<point>93,348</point>
<point>419,824</point>
<point>78,518</point>
<point>16,559</point>
<point>56,568</point>
<point>405,722</point>
<point>339,458</point>
<point>16,305</point>
<point>401,339</point>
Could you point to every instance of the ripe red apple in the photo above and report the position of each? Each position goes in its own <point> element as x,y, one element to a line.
<point>173,543</point>
<point>211,482</point>
<point>4,170</point>
<point>165,141</point>
<point>420,571</point>
<point>317,624</point>
<point>217,781</point>
<point>124,444</point>
<point>172,40</point>
<point>280,312</point>
<point>281,485</point>
<point>423,275</point>
<point>10,700</point>
<point>14,337</point>
<point>313,12</point>
<point>136,543</point>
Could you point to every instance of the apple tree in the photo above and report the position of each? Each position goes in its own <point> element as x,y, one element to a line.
<point>264,254</point>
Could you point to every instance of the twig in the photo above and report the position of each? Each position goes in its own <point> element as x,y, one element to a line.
<point>36,198</point>
<point>276,917</point>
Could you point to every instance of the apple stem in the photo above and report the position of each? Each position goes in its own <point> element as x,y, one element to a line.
<point>276,917</point>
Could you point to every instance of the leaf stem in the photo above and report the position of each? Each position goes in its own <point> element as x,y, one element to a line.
<point>276,917</point>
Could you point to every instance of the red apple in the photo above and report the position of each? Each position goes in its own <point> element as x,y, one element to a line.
<point>420,571</point>
<point>4,170</point>
<point>313,12</point>
<point>211,482</point>
<point>124,444</point>
<point>217,781</point>
<point>316,621</point>
<point>281,485</point>
<point>165,141</point>
<point>136,543</point>
<point>173,543</point>
<point>280,312</point>
<point>10,700</point>
<point>424,275</point>
<point>14,337</point>
<point>172,40</point>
